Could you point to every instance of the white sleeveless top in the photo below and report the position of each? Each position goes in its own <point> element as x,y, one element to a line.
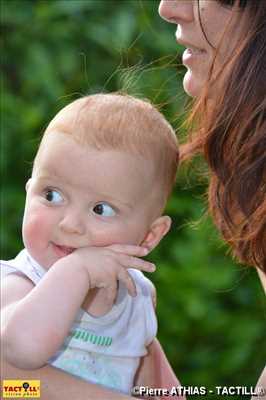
<point>105,350</point>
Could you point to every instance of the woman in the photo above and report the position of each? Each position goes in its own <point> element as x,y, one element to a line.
<point>225,58</point>
<point>215,34</point>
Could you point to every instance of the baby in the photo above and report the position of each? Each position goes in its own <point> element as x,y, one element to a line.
<point>75,297</point>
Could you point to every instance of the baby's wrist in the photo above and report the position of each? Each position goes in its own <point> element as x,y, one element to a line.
<point>76,266</point>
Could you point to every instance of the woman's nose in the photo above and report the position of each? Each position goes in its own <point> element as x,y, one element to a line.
<point>73,223</point>
<point>176,11</point>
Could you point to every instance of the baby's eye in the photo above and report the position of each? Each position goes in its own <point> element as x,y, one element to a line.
<point>53,196</point>
<point>104,209</point>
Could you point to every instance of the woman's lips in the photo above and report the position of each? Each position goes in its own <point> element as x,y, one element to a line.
<point>191,51</point>
<point>63,251</point>
<point>190,54</point>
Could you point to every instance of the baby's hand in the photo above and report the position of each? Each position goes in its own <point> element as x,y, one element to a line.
<point>107,265</point>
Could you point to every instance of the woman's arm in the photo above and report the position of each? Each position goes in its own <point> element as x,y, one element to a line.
<point>261,387</point>
<point>155,370</point>
<point>57,385</point>
<point>164,376</point>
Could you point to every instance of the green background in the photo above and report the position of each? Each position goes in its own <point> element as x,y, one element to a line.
<point>211,310</point>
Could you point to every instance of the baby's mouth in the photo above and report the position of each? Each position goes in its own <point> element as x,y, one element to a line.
<point>63,251</point>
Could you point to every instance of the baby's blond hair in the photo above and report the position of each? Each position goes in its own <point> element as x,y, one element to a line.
<point>122,122</point>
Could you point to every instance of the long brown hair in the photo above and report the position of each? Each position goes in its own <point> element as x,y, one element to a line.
<point>231,134</point>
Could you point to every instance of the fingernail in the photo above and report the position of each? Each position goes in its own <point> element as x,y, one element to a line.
<point>152,267</point>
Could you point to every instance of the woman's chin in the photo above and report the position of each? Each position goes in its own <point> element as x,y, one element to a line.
<point>191,84</point>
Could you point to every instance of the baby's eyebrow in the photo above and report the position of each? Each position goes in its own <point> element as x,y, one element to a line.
<point>49,175</point>
<point>114,200</point>
<point>44,178</point>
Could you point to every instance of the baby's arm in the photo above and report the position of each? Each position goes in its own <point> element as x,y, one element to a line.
<point>37,319</point>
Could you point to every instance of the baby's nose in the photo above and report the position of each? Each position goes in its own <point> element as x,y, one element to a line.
<point>73,223</point>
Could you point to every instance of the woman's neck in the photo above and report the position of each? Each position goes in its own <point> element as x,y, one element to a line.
<point>262,279</point>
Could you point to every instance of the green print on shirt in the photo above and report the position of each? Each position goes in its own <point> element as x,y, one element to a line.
<point>91,337</point>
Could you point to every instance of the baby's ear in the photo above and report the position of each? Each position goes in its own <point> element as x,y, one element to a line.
<point>158,229</point>
<point>28,184</point>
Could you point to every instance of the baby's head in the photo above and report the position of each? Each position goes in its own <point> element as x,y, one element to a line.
<point>123,123</point>
<point>109,156</point>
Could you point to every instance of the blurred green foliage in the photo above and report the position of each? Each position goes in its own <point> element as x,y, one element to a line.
<point>210,310</point>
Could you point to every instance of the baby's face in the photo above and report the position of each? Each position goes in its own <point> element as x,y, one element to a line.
<point>79,196</point>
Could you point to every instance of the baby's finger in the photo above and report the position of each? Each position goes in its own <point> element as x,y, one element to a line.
<point>137,263</point>
<point>111,291</point>
<point>128,281</point>
<point>129,249</point>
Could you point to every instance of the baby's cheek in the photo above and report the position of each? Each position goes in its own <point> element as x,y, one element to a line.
<point>34,229</point>
<point>120,234</point>
<point>30,230</point>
